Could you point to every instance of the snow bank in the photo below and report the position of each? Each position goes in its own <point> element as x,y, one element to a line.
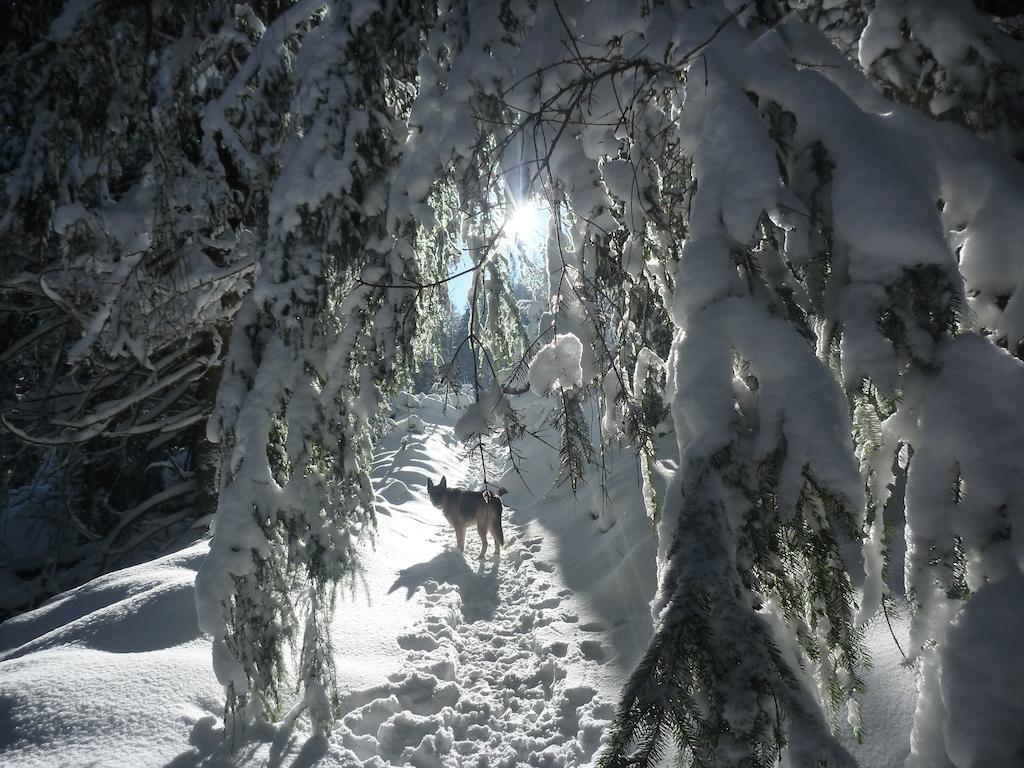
<point>114,672</point>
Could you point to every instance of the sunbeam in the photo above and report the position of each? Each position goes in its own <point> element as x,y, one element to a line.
<point>526,222</point>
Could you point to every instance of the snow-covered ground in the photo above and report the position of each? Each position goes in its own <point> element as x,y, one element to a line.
<point>444,660</point>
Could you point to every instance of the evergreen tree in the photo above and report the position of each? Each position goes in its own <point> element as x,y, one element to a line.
<point>806,271</point>
<point>318,336</point>
<point>790,227</point>
<point>129,252</point>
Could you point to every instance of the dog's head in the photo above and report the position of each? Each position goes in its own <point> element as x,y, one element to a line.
<point>436,492</point>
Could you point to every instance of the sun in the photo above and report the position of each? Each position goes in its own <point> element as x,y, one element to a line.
<point>525,223</point>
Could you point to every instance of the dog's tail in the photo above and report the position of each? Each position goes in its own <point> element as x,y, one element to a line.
<point>499,534</point>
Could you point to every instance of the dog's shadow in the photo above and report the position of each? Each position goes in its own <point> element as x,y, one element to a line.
<point>479,588</point>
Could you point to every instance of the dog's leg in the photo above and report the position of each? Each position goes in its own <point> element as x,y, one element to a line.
<point>481,528</point>
<point>494,526</point>
<point>460,537</point>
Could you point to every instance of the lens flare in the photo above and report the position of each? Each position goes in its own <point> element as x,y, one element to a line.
<point>524,222</point>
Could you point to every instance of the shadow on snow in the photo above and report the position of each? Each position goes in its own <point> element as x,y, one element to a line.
<point>479,588</point>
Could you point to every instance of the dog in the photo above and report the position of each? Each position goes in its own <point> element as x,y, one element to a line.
<point>461,508</point>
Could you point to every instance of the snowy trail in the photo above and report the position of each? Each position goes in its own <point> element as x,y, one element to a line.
<point>441,660</point>
<point>486,679</point>
<point>479,687</point>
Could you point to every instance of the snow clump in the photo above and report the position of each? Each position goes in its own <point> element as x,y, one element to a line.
<point>480,416</point>
<point>559,363</point>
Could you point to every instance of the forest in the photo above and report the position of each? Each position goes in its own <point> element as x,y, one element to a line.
<point>723,294</point>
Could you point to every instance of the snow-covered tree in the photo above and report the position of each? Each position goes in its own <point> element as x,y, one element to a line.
<point>329,322</point>
<point>790,229</point>
<point>807,237</point>
<point>128,253</point>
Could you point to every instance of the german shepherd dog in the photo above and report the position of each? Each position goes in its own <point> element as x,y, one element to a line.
<point>461,508</point>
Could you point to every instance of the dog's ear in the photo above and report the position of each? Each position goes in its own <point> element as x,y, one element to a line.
<point>430,484</point>
<point>444,482</point>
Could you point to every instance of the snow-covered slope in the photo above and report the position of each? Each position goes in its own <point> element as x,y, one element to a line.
<point>112,673</point>
<point>444,660</point>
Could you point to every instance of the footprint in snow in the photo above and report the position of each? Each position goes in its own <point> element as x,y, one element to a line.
<point>478,687</point>
<point>593,650</point>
